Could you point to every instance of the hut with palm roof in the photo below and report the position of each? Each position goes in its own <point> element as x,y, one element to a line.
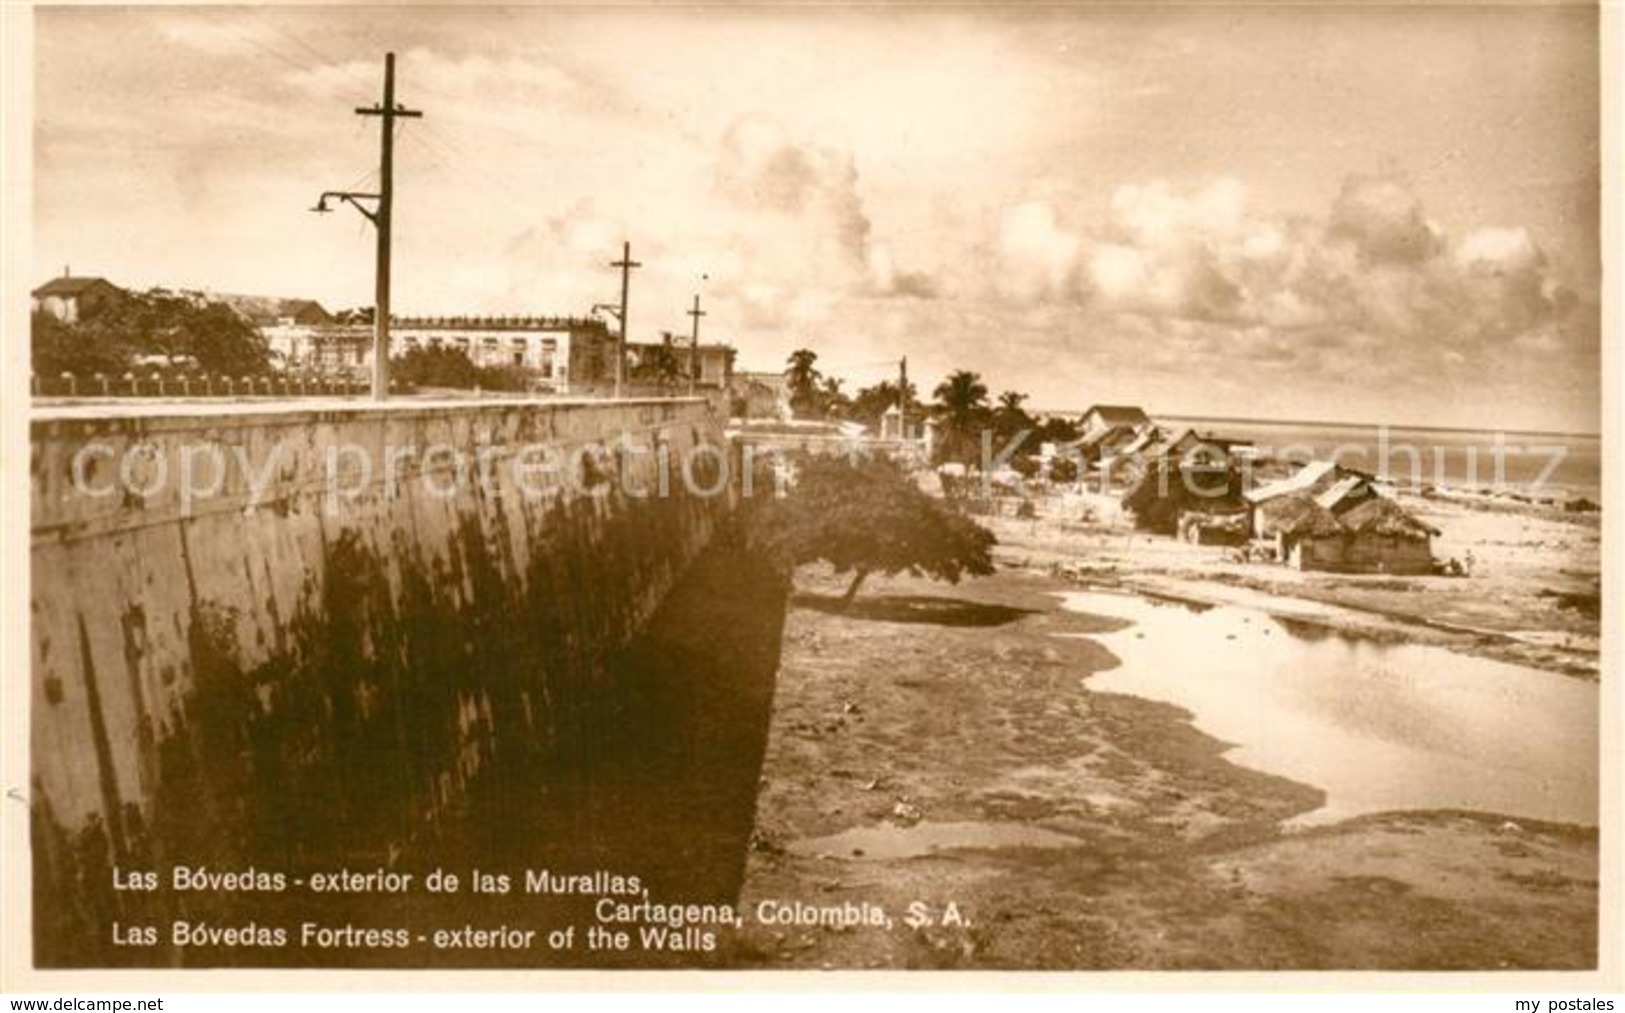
<point>1169,497</point>
<point>1375,536</point>
<point>1384,537</point>
<point>1307,535</point>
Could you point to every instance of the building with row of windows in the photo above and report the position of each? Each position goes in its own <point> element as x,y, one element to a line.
<point>562,354</point>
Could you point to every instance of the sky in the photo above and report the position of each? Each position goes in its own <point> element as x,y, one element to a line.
<point>1371,215</point>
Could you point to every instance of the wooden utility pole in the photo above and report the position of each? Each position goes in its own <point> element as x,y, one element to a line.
<point>387,111</point>
<point>694,346</point>
<point>379,214</point>
<point>902,398</point>
<point>626,264</point>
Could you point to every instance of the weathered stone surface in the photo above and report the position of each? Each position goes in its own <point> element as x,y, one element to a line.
<point>281,672</point>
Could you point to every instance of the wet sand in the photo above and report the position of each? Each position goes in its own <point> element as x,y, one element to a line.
<point>1532,597</point>
<point>930,706</point>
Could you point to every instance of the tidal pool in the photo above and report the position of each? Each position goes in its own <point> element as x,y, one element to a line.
<point>1376,726</point>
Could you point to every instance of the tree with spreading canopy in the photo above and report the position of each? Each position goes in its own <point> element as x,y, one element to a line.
<point>866,515</point>
<point>185,329</point>
<point>441,366</point>
<point>659,365</point>
<point>63,348</point>
<point>871,403</point>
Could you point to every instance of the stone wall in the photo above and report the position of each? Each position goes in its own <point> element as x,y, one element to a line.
<point>299,635</point>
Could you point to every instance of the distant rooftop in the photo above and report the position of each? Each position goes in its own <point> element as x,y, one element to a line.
<point>65,286</point>
<point>1119,415</point>
<point>265,309</point>
<point>503,323</point>
<point>1303,481</point>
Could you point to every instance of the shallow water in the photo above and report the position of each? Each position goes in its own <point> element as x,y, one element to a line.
<point>1376,726</point>
<point>889,840</point>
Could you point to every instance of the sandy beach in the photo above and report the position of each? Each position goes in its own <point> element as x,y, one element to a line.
<point>939,748</point>
<point>1532,595</point>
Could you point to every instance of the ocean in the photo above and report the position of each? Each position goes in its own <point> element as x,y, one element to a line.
<point>1558,465</point>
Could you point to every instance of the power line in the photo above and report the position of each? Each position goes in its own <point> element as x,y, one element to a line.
<point>429,136</point>
<point>434,157</point>
<point>322,57</point>
<point>298,65</point>
<point>362,180</point>
<point>429,140</point>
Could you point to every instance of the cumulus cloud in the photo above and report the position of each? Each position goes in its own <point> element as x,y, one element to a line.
<point>803,214</point>
<point>1155,215</point>
<point>1037,257</point>
<point>1373,284</point>
<point>1384,221</point>
<point>564,255</point>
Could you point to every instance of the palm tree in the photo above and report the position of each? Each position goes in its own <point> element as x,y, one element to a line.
<point>961,396</point>
<point>1009,418</point>
<point>802,377</point>
<point>1010,401</point>
<point>962,406</point>
<point>832,403</point>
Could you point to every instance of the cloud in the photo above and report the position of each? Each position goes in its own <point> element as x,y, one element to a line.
<point>1154,214</point>
<point>800,210</point>
<point>1038,258</point>
<point>1373,287</point>
<point>554,261</point>
<point>1383,219</point>
<point>1180,255</point>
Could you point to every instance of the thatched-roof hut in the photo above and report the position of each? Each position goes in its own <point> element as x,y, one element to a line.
<point>1306,534</point>
<point>1386,519</point>
<point>1164,491</point>
<point>1346,494</point>
<point>1377,536</point>
<point>1295,516</point>
<point>1384,537</point>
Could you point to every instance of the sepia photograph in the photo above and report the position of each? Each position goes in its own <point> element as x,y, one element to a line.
<point>767,488</point>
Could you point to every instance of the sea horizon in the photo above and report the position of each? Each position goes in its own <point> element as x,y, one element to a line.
<point>1329,424</point>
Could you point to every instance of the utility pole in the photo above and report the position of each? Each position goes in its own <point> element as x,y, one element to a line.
<point>902,398</point>
<point>386,111</point>
<point>626,264</point>
<point>694,346</point>
<point>380,215</point>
